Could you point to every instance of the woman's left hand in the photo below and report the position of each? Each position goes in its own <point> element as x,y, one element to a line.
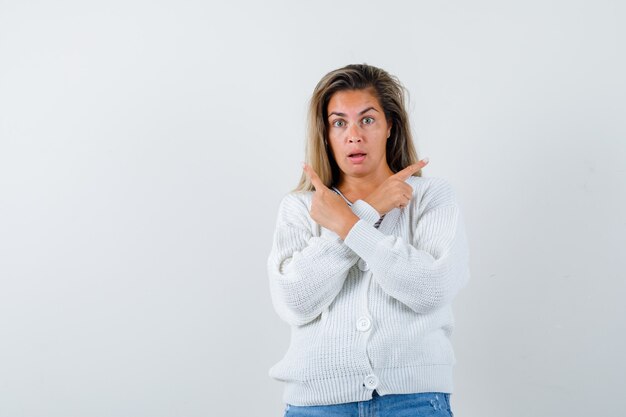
<point>328,209</point>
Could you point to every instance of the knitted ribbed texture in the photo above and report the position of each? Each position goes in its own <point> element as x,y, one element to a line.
<point>373,311</point>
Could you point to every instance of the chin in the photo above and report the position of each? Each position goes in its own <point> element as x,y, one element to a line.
<point>357,172</point>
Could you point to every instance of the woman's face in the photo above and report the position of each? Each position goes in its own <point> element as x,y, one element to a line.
<point>358,132</point>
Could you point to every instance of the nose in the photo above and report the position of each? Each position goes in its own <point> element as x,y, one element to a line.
<point>353,134</point>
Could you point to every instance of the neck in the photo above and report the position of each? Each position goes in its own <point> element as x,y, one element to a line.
<point>357,188</point>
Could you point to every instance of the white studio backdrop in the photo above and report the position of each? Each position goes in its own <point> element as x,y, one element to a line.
<point>144,147</point>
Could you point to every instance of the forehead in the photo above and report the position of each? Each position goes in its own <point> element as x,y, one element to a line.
<point>348,101</point>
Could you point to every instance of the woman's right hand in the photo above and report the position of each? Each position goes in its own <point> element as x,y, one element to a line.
<point>394,192</point>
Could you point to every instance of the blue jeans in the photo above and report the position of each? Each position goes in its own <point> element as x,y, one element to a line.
<point>427,404</point>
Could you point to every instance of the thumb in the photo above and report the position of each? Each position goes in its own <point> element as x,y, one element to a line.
<point>313,177</point>
<point>410,170</point>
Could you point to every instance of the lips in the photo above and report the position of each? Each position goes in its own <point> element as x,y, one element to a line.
<point>356,152</point>
<point>357,157</point>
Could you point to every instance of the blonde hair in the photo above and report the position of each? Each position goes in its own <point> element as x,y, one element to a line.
<point>391,96</point>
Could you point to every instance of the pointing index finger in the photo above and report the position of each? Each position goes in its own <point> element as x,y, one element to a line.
<point>315,179</point>
<point>410,170</point>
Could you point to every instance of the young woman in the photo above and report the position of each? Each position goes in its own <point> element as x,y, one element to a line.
<point>366,259</point>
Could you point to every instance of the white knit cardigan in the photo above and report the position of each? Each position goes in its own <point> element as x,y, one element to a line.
<point>371,312</point>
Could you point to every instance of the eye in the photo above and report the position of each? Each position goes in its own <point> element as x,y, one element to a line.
<point>339,123</point>
<point>368,120</point>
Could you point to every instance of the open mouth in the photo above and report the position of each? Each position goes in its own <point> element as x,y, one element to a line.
<point>357,157</point>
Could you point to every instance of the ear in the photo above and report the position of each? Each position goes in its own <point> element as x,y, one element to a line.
<point>390,124</point>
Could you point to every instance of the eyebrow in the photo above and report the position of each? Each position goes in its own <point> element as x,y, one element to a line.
<point>360,113</point>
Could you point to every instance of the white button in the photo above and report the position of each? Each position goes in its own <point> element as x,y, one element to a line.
<point>363,324</point>
<point>363,265</point>
<point>371,382</point>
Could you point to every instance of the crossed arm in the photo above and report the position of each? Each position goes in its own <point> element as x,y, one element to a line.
<point>307,272</point>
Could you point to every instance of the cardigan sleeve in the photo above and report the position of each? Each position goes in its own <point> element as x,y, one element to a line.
<point>426,272</point>
<point>306,272</point>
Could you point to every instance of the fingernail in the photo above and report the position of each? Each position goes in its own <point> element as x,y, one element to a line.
<point>425,160</point>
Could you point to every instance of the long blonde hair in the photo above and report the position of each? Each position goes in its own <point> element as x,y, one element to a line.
<point>391,95</point>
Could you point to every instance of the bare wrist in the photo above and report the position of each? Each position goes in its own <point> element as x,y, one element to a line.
<point>347,225</point>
